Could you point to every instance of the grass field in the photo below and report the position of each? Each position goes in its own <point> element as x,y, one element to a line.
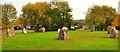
<point>79,40</point>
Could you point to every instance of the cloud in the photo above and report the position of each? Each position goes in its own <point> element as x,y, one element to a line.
<point>79,7</point>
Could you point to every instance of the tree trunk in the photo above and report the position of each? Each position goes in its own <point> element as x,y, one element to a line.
<point>7,31</point>
<point>37,28</point>
<point>50,26</point>
<point>69,26</point>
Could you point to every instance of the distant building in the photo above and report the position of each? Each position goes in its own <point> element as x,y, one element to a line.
<point>80,20</point>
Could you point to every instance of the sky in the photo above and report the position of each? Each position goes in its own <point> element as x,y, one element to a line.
<point>79,7</point>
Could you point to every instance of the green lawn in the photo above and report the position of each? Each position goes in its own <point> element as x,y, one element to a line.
<point>79,40</point>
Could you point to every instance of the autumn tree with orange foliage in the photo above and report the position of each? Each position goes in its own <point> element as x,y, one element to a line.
<point>35,14</point>
<point>116,21</point>
<point>55,13</point>
<point>100,16</point>
<point>22,21</point>
<point>8,16</point>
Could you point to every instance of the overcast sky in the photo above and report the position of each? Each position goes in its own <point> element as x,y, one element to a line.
<point>79,7</point>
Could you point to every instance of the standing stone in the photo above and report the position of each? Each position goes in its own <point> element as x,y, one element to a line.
<point>40,29</point>
<point>65,29</point>
<point>59,31</point>
<point>61,35</point>
<point>72,28</point>
<point>109,29</point>
<point>115,33</point>
<point>85,28</point>
<point>43,29</point>
<point>11,32</point>
<point>24,30</point>
<point>111,32</point>
<point>103,29</point>
<point>92,29</point>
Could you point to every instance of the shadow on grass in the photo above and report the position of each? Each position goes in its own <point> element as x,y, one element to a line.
<point>57,39</point>
<point>109,37</point>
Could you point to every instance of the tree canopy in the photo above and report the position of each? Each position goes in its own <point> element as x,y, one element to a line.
<point>100,16</point>
<point>47,14</point>
<point>35,13</point>
<point>116,21</point>
<point>8,15</point>
<point>61,13</point>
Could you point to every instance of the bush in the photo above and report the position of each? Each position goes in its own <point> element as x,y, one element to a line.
<point>52,28</point>
<point>17,28</point>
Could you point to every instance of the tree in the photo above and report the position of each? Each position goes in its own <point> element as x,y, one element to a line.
<point>116,21</point>
<point>21,21</point>
<point>100,16</point>
<point>8,16</point>
<point>47,14</point>
<point>35,13</point>
<point>60,13</point>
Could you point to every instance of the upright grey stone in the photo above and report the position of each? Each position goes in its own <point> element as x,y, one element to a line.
<point>65,29</point>
<point>42,29</point>
<point>61,34</point>
<point>24,30</point>
<point>92,29</point>
<point>112,32</point>
<point>11,32</point>
<point>115,33</point>
<point>109,29</point>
